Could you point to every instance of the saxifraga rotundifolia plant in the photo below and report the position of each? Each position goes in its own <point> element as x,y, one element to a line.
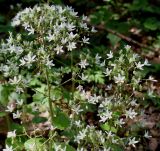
<point>33,61</point>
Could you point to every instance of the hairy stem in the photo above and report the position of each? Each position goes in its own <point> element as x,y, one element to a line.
<point>49,96</point>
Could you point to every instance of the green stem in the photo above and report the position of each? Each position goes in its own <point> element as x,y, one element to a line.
<point>73,83</point>
<point>49,96</point>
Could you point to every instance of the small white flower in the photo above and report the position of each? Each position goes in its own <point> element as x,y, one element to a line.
<point>80,88</point>
<point>130,113</point>
<point>22,62</point>
<point>132,142</point>
<point>71,36</point>
<point>146,135</point>
<point>19,102</point>
<point>71,46</point>
<point>49,63</point>
<point>146,63</point>
<point>81,135</point>
<point>109,87</point>
<point>30,30</point>
<point>119,79</point>
<point>152,79</point>
<point>133,102</point>
<point>10,108</point>
<point>107,72</point>
<point>127,47</point>
<point>50,37</point>
<point>83,63</point>
<point>119,122</point>
<point>64,41</point>
<point>109,134</point>
<point>78,123</point>
<point>84,18</point>
<point>17,115</point>
<point>16,80</point>
<point>105,116</point>
<point>77,109</point>
<point>8,148</point>
<point>83,77</point>
<point>71,26</point>
<point>85,40</point>
<point>139,65</point>
<point>93,30</point>
<point>59,148</point>
<point>110,55</point>
<point>11,134</point>
<point>59,49</point>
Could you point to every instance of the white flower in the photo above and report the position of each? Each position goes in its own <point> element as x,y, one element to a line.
<point>84,18</point>
<point>19,102</point>
<point>97,57</point>
<point>49,63</point>
<point>8,148</point>
<point>64,41</point>
<point>152,79</point>
<point>105,116</point>
<point>146,63</point>
<point>130,113</point>
<point>71,46</point>
<point>71,26</point>
<point>71,36</point>
<point>83,63</point>
<point>11,134</point>
<point>16,80</point>
<point>109,134</point>
<point>139,65</point>
<point>146,135</point>
<point>103,63</point>
<point>94,99</point>
<point>78,123</point>
<point>10,108</point>
<point>59,49</point>
<point>80,88</point>
<point>109,87</point>
<point>85,40</point>
<point>83,77</point>
<point>77,109</point>
<point>119,122</point>
<point>132,142</point>
<point>28,59</point>
<point>93,30</point>
<point>110,55</point>
<point>119,79</point>
<point>50,37</point>
<point>30,30</point>
<point>127,47</point>
<point>17,115</point>
<point>22,62</point>
<point>81,135</point>
<point>59,148</point>
<point>107,72</point>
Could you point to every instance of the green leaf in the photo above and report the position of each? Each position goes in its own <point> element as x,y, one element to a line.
<point>2,114</point>
<point>107,127</point>
<point>61,120</point>
<point>4,93</point>
<point>151,23</point>
<point>38,97</point>
<point>35,143</point>
<point>38,119</point>
<point>113,39</point>
<point>17,127</point>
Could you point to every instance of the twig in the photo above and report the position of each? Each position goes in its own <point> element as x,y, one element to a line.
<point>101,27</point>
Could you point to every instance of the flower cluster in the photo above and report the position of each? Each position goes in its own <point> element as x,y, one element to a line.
<point>91,116</point>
